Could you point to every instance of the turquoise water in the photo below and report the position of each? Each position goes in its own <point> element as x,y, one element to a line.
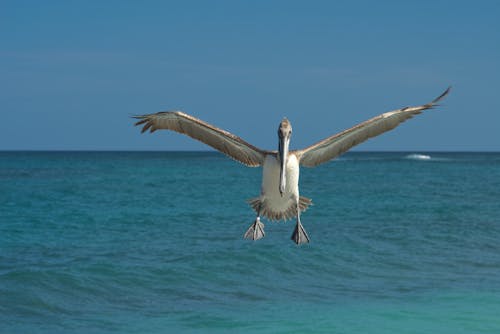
<point>138,242</point>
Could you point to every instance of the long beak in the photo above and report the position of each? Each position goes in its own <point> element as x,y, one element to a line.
<point>283,155</point>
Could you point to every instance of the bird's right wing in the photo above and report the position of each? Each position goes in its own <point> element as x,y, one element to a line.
<point>335,145</point>
<point>223,141</point>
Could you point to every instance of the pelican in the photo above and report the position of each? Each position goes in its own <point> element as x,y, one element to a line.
<point>279,197</point>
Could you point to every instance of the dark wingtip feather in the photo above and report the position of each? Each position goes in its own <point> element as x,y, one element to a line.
<point>441,96</point>
<point>142,121</point>
<point>146,127</point>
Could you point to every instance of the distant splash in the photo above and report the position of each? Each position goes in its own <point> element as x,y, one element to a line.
<point>386,156</point>
<point>413,156</point>
<point>416,156</point>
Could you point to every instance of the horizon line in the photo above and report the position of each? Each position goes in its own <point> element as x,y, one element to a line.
<point>215,151</point>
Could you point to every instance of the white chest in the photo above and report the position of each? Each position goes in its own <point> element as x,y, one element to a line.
<point>271,177</point>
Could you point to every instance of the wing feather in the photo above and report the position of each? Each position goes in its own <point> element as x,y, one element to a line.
<point>337,144</point>
<point>223,141</point>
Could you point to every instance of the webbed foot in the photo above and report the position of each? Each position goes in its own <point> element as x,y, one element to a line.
<point>255,231</point>
<point>299,235</point>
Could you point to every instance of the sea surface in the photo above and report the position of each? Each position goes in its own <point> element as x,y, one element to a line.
<point>152,242</point>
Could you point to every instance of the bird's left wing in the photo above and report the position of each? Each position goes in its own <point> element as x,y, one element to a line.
<point>223,141</point>
<point>335,145</point>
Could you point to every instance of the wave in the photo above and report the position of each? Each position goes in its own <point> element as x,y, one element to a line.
<point>416,156</point>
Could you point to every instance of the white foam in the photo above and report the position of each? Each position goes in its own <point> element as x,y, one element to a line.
<point>416,156</point>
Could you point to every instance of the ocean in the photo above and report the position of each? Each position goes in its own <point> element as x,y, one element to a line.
<point>152,242</point>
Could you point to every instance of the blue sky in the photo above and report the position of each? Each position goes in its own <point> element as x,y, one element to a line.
<point>73,72</point>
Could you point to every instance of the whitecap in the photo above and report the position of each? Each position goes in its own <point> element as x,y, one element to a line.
<point>416,156</point>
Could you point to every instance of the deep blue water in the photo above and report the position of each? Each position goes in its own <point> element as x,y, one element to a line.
<point>151,242</point>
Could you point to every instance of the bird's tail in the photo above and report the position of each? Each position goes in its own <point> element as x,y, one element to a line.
<point>258,205</point>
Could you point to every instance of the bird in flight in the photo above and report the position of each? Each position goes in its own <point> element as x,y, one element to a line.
<point>279,198</point>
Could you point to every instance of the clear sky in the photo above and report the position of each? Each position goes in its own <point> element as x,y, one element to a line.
<point>73,72</point>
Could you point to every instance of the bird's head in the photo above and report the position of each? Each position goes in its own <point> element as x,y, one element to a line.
<point>285,129</point>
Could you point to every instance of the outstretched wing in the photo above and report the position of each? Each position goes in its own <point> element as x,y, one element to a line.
<point>335,145</point>
<point>223,141</point>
